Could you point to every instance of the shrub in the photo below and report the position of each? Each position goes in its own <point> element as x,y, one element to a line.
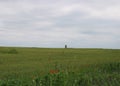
<point>12,51</point>
<point>8,51</point>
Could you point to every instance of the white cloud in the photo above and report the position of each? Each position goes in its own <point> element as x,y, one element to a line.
<point>54,23</point>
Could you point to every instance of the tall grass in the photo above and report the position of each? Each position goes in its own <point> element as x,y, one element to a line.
<point>100,75</point>
<point>62,67</point>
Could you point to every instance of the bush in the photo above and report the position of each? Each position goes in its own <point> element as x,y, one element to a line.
<point>13,51</point>
<point>8,51</point>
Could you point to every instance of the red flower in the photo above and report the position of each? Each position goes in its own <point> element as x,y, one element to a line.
<point>54,71</point>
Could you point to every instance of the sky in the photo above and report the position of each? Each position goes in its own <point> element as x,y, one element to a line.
<point>54,23</point>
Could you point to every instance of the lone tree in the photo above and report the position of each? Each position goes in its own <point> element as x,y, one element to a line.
<point>65,46</point>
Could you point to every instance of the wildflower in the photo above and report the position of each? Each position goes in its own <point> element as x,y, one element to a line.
<point>54,71</point>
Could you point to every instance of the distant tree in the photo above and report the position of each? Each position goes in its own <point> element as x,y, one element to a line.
<point>65,46</point>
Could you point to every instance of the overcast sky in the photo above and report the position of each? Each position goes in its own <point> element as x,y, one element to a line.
<point>54,23</point>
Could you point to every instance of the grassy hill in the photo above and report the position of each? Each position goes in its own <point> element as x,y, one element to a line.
<point>25,64</point>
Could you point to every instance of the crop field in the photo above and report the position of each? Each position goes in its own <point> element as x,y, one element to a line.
<point>59,67</point>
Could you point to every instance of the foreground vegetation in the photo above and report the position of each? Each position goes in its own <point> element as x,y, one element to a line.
<point>59,67</point>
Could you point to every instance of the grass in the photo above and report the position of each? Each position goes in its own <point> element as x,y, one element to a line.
<point>82,67</point>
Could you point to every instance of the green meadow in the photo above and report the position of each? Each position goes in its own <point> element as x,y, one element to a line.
<point>59,67</point>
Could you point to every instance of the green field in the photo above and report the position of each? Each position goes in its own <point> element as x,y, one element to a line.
<point>30,66</point>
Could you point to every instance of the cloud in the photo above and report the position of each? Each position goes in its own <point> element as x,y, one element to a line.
<point>51,23</point>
